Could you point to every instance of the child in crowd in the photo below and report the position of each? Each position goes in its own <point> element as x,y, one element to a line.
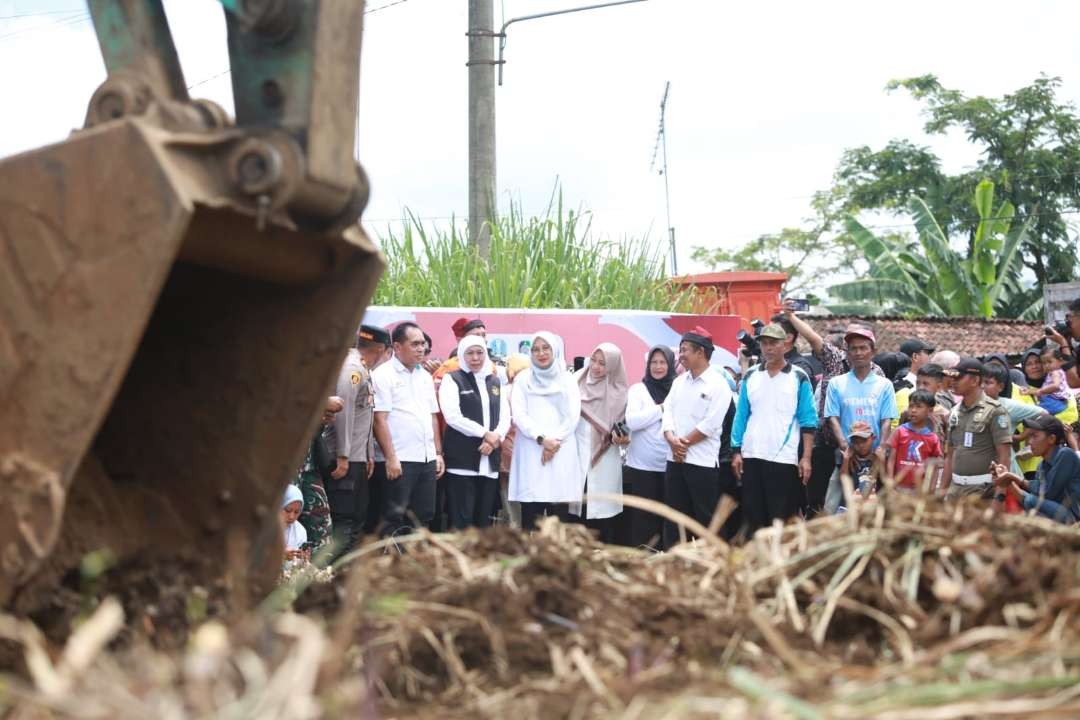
<point>295,534</point>
<point>931,378</point>
<point>1053,396</point>
<point>860,463</point>
<point>915,447</point>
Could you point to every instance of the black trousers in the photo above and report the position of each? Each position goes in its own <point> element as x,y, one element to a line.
<point>470,499</point>
<point>349,497</point>
<point>771,491</point>
<point>376,499</point>
<point>822,464</point>
<point>533,511</point>
<point>413,492</point>
<point>730,486</point>
<point>439,520</point>
<point>692,490</point>
<point>639,527</point>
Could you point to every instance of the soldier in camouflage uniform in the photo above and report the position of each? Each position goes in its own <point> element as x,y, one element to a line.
<point>316,514</point>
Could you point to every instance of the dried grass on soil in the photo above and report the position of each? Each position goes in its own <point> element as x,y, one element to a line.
<point>908,609</point>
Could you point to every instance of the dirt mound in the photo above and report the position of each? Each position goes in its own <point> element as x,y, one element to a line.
<point>879,613</point>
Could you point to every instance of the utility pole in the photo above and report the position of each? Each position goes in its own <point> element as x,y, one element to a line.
<point>661,145</point>
<point>481,122</point>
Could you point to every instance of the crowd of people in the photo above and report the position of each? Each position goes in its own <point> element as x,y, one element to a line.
<point>409,440</point>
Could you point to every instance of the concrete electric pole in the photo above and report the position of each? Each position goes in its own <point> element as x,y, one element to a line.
<point>482,62</point>
<point>482,202</point>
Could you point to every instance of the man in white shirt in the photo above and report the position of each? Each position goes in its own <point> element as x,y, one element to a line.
<point>774,411</point>
<point>407,430</point>
<point>693,424</point>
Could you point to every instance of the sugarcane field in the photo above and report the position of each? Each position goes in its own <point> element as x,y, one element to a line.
<point>297,422</point>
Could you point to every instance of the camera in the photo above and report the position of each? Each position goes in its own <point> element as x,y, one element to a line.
<point>751,346</point>
<point>1062,328</point>
<point>620,429</point>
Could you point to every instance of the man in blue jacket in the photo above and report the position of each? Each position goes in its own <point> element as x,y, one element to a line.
<point>1054,492</point>
<point>774,411</point>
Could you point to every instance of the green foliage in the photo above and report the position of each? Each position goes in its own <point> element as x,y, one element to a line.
<point>930,277</point>
<point>797,252</point>
<point>540,262</point>
<point>787,251</point>
<point>1030,145</point>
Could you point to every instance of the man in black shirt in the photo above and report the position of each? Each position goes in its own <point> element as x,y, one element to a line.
<point>807,363</point>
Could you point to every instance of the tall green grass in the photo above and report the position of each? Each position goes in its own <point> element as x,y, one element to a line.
<point>551,261</point>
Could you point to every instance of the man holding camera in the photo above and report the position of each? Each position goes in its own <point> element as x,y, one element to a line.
<point>1067,336</point>
<point>807,363</point>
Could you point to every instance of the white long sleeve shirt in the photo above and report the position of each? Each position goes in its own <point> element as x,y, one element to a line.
<point>647,450</point>
<point>698,403</point>
<point>450,402</point>
<point>408,398</point>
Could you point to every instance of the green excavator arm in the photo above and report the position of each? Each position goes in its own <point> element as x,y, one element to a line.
<point>177,291</point>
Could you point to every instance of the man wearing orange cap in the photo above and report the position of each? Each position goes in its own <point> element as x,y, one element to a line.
<point>461,327</point>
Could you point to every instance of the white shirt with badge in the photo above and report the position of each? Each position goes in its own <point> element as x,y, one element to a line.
<point>700,404</point>
<point>408,398</point>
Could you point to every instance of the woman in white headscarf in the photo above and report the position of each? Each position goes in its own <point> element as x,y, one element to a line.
<point>477,417</point>
<point>545,404</point>
<point>600,432</point>
<point>295,534</point>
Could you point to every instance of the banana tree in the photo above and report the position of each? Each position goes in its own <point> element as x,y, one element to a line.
<point>929,277</point>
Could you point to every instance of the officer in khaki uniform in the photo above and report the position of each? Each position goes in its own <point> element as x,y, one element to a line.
<point>979,433</point>
<point>351,441</point>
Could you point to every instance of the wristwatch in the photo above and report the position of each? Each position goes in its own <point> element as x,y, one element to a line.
<point>1000,497</point>
<point>539,439</point>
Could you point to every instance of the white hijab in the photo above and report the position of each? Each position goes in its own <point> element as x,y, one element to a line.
<point>547,381</point>
<point>295,535</point>
<point>475,341</point>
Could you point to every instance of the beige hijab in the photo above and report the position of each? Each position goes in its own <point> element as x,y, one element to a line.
<point>603,400</point>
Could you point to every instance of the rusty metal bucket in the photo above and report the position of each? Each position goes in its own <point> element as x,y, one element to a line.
<point>163,361</point>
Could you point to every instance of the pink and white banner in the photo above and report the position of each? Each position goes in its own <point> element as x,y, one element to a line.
<point>510,331</point>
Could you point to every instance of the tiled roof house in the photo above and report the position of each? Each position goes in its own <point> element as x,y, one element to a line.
<point>967,336</point>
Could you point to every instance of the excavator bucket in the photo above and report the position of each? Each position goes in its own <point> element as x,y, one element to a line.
<point>177,292</point>
<point>164,354</point>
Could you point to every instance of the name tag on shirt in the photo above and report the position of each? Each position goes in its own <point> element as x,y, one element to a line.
<point>969,439</point>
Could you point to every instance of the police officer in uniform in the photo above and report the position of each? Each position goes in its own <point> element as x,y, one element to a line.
<point>350,439</point>
<point>979,434</point>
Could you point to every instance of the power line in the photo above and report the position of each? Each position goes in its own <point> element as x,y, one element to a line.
<point>212,77</point>
<point>77,18</point>
<point>229,70</point>
<point>38,14</point>
<point>383,7</point>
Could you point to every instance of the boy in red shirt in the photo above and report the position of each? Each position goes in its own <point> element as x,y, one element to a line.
<point>915,443</point>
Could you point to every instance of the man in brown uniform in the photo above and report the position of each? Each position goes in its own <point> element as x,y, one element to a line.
<point>979,433</point>
<point>351,441</point>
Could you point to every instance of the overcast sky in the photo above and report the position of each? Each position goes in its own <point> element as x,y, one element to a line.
<point>765,97</point>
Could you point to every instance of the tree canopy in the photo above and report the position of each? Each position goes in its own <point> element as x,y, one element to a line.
<point>1029,145</point>
<point>930,278</point>
<point>1029,148</point>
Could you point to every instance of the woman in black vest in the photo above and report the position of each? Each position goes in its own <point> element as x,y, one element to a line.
<point>477,415</point>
